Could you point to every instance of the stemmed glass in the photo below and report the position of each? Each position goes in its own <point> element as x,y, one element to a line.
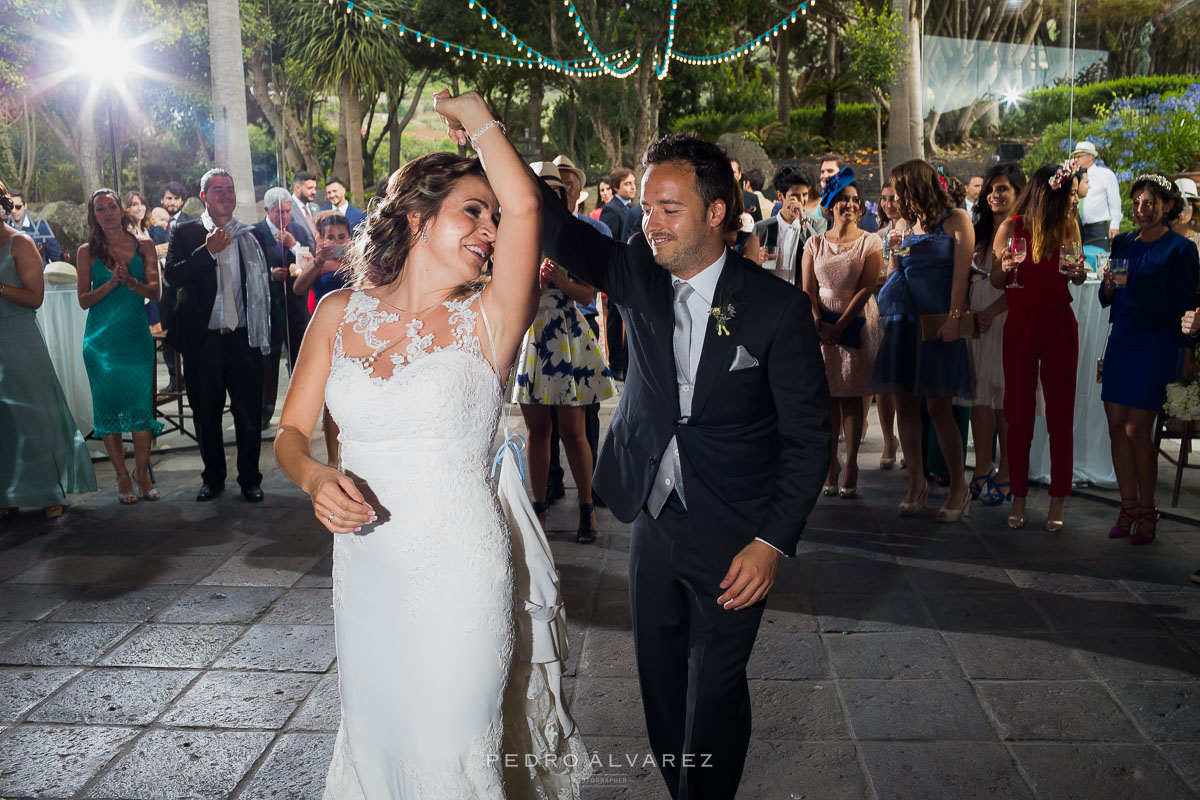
<point>1017,248</point>
<point>1068,257</point>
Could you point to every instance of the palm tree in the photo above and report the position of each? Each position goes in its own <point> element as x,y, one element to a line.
<point>231,136</point>
<point>350,56</point>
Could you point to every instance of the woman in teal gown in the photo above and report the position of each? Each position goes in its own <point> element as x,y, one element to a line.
<point>42,454</point>
<point>118,273</point>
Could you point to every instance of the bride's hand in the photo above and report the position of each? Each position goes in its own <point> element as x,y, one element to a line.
<point>450,109</point>
<point>338,503</point>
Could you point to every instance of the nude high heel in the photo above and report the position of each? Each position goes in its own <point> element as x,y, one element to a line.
<point>910,509</point>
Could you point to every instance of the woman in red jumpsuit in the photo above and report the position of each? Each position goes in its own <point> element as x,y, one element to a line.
<point>1041,337</point>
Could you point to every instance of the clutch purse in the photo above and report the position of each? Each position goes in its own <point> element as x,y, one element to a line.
<point>852,335</point>
<point>968,325</point>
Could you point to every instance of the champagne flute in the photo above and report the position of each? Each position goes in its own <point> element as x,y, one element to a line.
<point>1068,257</point>
<point>1017,248</point>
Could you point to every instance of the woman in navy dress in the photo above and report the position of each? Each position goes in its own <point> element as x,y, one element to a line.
<point>1143,345</point>
<point>928,275</point>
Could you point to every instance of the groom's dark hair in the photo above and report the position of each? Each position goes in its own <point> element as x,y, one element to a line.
<point>714,175</point>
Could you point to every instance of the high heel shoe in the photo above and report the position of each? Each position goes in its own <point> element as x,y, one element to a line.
<point>153,494</point>
<point>909,509</point>
<point>1146,527</point>
<point>586,533</point>
<point>1016,521</point>
<point>945,514</point>
<point>1126,520</point>
<point>126,498</point>
<point>978,485</point>
<point>889,463</point>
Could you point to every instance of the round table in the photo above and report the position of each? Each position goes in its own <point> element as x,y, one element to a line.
<point>1093,454</point>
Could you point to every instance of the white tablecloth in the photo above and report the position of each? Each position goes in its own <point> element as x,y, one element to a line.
<point>1093,456</point>
<point>62,320</point>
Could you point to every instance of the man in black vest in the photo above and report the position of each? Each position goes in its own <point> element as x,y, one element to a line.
<point>716,453</point>
<point>222,328</point>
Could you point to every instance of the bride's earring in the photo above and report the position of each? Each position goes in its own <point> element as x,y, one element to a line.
<point>424,238</point>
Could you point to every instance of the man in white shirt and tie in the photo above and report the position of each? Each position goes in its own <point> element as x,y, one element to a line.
<point>1101,215</point>
<point>304,189</point>
<point>786,232</point>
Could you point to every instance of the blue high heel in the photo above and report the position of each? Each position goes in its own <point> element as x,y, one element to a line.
<point>586,533</point>
<point>1005,494</point>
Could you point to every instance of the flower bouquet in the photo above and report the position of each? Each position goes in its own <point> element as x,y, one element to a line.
<point>1183,400</point>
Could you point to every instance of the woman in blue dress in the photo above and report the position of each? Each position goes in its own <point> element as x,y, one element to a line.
<point>929,268</point>
<point>1143,344</point>
<point>118,273</point>
<point>42,454</point>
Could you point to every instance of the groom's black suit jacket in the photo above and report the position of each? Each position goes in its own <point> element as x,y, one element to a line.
<point>192,270</point>
<point>755,450</point>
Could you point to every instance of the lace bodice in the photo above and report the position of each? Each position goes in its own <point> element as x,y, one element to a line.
<point>435,395</point>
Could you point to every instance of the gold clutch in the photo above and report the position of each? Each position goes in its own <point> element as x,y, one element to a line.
<point>968,325</point>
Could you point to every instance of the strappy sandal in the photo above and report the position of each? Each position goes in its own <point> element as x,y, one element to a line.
<point>992,496</point>
<point>153,494</point>
<point>1003,490</point>
<point>1146,527</point>
<point>126,498</point>
<point>586,533</point>
<point>979,485</point>
<point>1126,520</point>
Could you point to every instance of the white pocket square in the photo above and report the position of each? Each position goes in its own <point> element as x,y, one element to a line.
<point>742,360</point>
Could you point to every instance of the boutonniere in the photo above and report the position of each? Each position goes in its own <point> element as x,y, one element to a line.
<point>723,314</point>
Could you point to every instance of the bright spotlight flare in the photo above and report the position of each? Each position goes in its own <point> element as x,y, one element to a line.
<point>1012,97</point>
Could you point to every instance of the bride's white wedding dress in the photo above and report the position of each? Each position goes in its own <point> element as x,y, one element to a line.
<point>423,599</point>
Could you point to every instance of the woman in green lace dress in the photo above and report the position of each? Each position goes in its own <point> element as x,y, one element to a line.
<point>118,273</point>
<point>42,454</point>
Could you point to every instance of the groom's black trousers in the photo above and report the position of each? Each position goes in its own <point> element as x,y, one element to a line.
<point>691,653</point>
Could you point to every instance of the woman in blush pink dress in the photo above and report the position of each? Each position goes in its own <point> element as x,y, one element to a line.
<point>840,270</point>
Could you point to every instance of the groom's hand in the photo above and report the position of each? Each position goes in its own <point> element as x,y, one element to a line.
<point>750,576</point>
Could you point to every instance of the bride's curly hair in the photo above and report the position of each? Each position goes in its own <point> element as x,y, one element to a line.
<point>419,187</point>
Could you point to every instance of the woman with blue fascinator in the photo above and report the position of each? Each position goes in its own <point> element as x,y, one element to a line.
<point>840,269</point>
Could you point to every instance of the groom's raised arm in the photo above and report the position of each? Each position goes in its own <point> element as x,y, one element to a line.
<point>582,250</point>
<point>796,374</point>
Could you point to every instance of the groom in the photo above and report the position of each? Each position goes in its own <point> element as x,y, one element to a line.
<point>715,454</point>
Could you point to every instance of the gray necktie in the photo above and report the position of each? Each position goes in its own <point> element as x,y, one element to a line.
<point>682,340</point>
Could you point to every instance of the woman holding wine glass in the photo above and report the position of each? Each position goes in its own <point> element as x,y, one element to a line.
<point>928,278</point>
<point>1001,186</point>
<point>1039,249</point>
<point>1150,285</point>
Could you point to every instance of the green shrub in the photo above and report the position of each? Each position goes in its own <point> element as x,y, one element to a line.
<point>1133,135</point>
<point>1044,107</point>
<point>856,127</point>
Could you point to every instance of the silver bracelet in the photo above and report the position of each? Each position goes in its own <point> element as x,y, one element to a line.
<point>491,123</point>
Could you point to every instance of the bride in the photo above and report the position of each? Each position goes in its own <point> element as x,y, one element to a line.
<point>408,364</point>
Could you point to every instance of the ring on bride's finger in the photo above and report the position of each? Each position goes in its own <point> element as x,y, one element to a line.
<point>330,517</point>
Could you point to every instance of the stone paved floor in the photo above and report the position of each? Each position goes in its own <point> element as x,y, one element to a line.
<point>180,650</point>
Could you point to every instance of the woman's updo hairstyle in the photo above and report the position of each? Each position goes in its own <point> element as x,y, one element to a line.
<point>1163,188</point>
<point>6,203</point>
<point>419,187</point>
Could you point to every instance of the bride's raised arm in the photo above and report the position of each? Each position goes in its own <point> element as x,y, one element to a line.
<point>511,298</point>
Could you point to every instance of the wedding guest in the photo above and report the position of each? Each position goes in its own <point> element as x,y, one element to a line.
<point>604,195</point>
<point>172,198</point>
<point>740,236</point>
<point>42,454</point>
<point>885,404</point>
<point>1100,217</point>
<point>1041,336</point>
<point>1187,224</point>
<point>222,327</point>
<point>327,273</point>
<point>997,197</point>
<point>135,206</point>
<point>39,232</point>
<point>974,192</point>
<point>840,271</point>
<point>928,276</point>
<point>783,235</point>
<point>560,366</point>
<point>1143,344</point>
<point>118,272</point>
<point>335,193</point>
<point>159,218</point>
